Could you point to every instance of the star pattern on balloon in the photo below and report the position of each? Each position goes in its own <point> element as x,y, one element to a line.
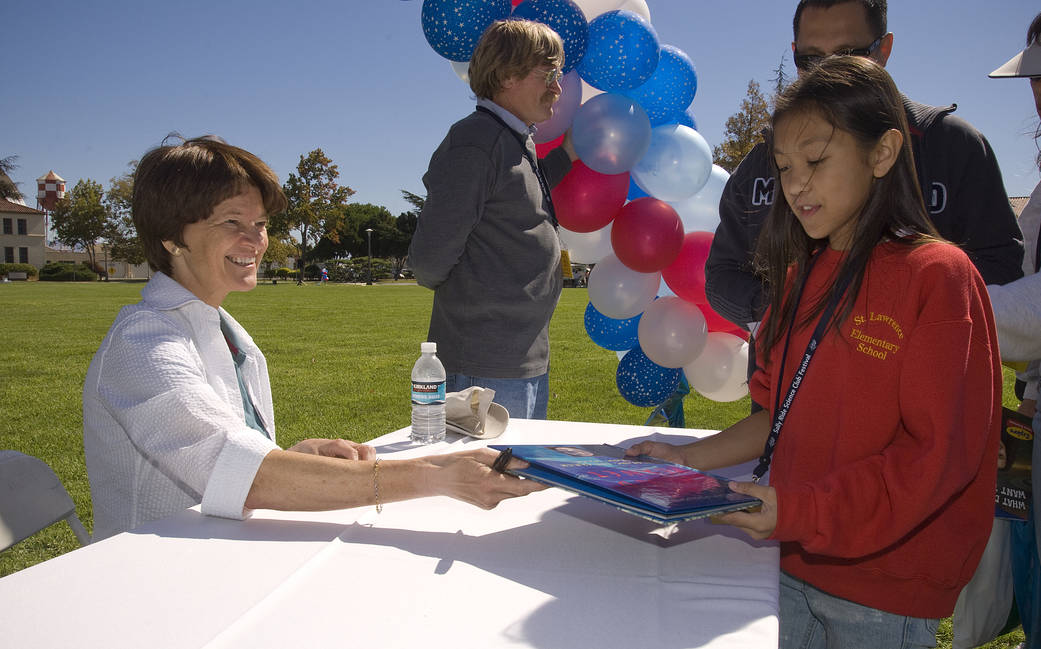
<point>453,27</point>
<point>643,382</point>
<point>622,53</point>
<point>563,17</point>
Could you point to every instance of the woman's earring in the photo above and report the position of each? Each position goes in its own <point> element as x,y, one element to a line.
<point>176,251</point>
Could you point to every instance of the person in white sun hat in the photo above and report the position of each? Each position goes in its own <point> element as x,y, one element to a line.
<point>1017,313</point>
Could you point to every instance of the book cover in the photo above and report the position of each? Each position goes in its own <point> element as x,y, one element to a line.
<point>653,489</point>
<point>1013,497</point>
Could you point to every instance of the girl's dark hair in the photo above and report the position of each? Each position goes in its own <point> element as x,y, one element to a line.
<point>857,96</point>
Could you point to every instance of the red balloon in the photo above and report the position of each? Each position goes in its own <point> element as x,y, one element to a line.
<point>716,322</point>
<point>586,201</point>
<point>517,2</point>
<point>686,275</point>
<point>542,150</point>
<point>647,235</point>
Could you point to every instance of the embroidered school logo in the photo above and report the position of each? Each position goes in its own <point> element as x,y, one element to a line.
<point>872,342</point>
<point>937,198</point>
<point>763,191</point>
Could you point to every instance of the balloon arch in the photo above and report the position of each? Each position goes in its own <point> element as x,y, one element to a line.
<point>642,203</point>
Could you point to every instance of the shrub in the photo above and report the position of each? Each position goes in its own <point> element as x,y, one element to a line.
<point>28,269</point>
<point>62,272</point>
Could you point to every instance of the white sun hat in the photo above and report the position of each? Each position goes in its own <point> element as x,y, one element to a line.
<point>1025,64</point>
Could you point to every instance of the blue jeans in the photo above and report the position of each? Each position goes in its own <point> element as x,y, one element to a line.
<point>813,619</point>
<point>522,398</point>
<point>1026,578</point>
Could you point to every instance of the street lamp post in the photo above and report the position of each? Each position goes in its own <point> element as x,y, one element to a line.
<point>368,233</point>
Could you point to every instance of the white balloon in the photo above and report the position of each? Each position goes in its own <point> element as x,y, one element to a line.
<point>462,70</point>
<point>677,164</point>
<point>700,212</point>
<point>587,247</point>
<point>618,292</point>
<point>593,8</point>
<point>720,373</point>
<point>672,332</point>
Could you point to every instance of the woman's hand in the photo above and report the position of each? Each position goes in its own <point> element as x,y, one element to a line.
<point>758,524</point>
<point>468,476</point>
<point>342,448</point>
<point>660,450</point>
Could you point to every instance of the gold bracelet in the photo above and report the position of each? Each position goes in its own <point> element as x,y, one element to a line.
<point>376,484</point>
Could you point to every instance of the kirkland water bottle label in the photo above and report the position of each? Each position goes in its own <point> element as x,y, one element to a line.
<point>424,393</point>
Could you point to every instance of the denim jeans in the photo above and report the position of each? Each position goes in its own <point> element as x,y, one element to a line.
<point>813,619</point>
<point>1026,578</point>
<point>522,398</point>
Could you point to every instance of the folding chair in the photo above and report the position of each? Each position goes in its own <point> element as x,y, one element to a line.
<point>31,499</point>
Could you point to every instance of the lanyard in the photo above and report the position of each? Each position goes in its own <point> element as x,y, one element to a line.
<point>781,408</point>
<point>523,141</point>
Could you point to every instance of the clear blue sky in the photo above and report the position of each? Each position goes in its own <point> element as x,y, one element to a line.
<point>90,86</point>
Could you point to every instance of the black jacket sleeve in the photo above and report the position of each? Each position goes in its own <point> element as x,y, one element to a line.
<point>732,287</point>
<point>966,198</point>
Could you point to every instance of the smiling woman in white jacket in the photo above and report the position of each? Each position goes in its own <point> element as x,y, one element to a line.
<point>177,403</point>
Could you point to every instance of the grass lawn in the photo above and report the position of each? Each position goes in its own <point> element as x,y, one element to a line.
<point>339,358</point>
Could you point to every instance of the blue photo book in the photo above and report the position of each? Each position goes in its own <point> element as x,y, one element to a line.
<point>647,487</point>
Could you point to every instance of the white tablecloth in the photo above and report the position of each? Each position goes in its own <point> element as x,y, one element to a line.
<point>549,570</point>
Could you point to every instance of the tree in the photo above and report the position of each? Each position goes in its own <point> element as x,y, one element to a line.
<point>121,234</point>
<point>8,188</point>
<point>316,201</point>
<point>81,218</point>
<point>415,200</point>
<point>280,248</point>
<point>743,129</point>
<point>780,80</point>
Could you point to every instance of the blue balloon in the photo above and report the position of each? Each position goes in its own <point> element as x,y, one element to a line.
<point>682,117</point>
<point>453,27</point>
<point>610,333</point>
<point>643,382</point>
<point>566,19</point>
<point>610,133</point>
<point>670,89</point>
<point>623,51</point>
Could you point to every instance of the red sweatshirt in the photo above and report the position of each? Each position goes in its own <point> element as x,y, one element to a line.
<point>886,464</point>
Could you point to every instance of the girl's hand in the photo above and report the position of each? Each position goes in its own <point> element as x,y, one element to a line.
<point>660,450</point>
<point>758,524</point>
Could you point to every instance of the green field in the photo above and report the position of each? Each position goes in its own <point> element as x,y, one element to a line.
<point>339,358</point>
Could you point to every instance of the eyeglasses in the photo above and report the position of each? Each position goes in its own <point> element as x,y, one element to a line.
<point>807,61</point>
<point>553,75</point>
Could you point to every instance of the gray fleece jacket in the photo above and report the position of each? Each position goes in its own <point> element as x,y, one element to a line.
<point>486,244</point>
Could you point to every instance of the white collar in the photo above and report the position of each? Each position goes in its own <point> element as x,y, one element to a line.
<point>511,120</point>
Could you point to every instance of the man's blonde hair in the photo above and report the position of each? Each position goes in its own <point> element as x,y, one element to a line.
<point>512,48</point>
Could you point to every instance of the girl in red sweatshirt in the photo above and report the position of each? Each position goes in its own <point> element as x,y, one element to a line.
<point>879,362</point>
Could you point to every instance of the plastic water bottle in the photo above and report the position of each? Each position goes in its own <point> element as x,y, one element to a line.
<point>428,397</point>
